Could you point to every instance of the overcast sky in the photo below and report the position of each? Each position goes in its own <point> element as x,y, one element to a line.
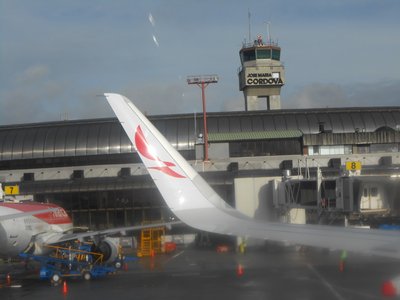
<point>57,56</point>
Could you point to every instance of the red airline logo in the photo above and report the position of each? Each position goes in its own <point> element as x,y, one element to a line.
<point>143,148</point>
<point>57,217</point>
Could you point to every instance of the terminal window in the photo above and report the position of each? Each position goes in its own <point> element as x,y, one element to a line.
<point>263,148</point>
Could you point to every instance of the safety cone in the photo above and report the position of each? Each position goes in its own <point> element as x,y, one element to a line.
<point>125,267</point>
<point>343,257</point>
<point>152,253</point>
<point>65,287</point>
<point>341,265</point>
<point>8,279</point>
<point>388,289</point>
<point>391,288</point>
<point>239,271</point>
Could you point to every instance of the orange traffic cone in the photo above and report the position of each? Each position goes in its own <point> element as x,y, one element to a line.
<point>8,279</point>
<point>388,289</point>
<point>341,265</point>
<point>239,271</point>
<point>65,287</point>
<point>125,267</point>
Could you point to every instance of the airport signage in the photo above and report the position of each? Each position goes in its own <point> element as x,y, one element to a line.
<point>11,190</point>
<point>263,78</point>
<point>353,165</point>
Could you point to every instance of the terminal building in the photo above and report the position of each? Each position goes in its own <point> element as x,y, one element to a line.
<point>297,165</point>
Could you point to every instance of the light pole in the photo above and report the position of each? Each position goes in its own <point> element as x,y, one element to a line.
<point>203,81</point>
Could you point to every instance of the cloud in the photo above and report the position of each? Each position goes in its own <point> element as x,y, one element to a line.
<point>319,95</point>
<point>33,74</point>
<point>32,97</point>
<point>56,58</point>
<point>162,98</point>
<point>236,104</point>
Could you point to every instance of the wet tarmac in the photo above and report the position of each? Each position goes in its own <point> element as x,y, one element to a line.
<point>188,273</point>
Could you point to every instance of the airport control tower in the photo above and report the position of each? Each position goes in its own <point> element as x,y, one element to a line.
<point>261,75</point>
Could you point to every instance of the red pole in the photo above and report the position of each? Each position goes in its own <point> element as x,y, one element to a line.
<point>203,98</point>
<point>203,82</point>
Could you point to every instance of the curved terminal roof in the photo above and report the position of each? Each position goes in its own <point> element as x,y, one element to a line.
<point>105,136</point>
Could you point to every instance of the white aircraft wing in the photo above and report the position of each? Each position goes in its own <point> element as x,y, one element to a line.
<point>195,203</point>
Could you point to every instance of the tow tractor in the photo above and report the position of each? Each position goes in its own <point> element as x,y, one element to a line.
<point>75,261</point>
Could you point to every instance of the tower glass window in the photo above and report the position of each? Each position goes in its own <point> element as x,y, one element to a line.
<point>249,55</point>
<point>276,54</point>
<point>263,53</point>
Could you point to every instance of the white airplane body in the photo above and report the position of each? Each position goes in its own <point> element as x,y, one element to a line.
<point>195,203</point>
<point>25,226</point>
<point>30,226</point>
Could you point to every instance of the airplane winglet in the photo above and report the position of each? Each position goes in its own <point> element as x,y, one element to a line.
<point>176,179</point>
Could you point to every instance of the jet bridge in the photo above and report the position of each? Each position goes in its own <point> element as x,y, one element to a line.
<point>356,197</point>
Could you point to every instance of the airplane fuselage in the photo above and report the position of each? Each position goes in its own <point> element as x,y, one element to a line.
<point>30,231</point>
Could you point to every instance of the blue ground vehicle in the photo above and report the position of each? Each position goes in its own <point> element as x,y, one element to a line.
<point>72,262</point>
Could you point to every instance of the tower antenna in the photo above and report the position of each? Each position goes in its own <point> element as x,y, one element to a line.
<point>249,17</point>
<point>268,32</point>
